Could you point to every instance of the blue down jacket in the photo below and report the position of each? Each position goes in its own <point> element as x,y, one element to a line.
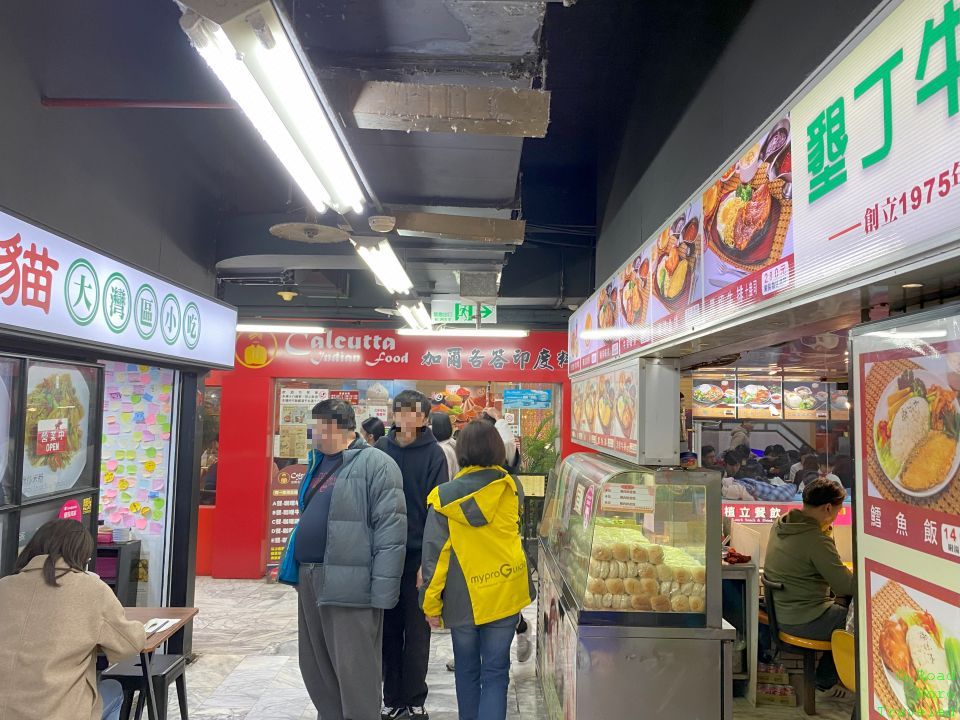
<point>366,531</point>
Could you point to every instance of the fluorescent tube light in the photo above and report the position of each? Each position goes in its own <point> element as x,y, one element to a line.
<point>380,258</point>
<point>270,327</point>
<point>612,333</point>
<point>466,332</point>
<point>908,335</point>
<point>415,315</point>
<point>255,59</point>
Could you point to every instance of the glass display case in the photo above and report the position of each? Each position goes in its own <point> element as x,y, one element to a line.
<point>629,603</point>
<point>637,540</point>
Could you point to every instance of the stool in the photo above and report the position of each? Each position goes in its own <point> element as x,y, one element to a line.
<point>164,670</point>
<point>806,646</point>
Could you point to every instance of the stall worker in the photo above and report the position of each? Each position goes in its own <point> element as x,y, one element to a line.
<point>373,430</point>
<point>802,554</point>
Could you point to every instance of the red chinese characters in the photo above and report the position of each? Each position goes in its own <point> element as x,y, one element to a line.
<point>29,281</point>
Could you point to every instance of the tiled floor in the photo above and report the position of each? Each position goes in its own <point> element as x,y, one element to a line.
<point>246,642</point>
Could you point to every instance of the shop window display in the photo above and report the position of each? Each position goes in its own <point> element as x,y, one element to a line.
<point>211,446</point>
<point>533,418</point>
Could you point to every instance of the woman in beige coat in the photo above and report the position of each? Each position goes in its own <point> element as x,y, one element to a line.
<point>55,617</point>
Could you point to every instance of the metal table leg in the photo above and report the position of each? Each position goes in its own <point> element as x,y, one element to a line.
<point>151,695</point>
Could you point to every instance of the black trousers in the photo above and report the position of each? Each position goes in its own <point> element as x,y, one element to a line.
<point>835,618</point>
<point>406,648</point>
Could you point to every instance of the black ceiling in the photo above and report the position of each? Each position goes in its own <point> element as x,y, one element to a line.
<point>606,63</point>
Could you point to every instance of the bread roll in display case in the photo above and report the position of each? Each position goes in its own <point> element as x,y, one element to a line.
<point>630,607</point>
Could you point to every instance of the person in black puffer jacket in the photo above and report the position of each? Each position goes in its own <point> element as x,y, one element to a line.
<point>406,638</point>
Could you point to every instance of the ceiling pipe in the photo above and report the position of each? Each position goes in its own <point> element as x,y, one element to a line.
<point>133,103</point>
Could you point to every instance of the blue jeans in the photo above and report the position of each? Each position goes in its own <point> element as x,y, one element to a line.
<point>482,671</point>
<point>111,694</point>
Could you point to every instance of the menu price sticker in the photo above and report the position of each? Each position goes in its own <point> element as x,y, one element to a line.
<point>950,539</point>
<point>622,497</point>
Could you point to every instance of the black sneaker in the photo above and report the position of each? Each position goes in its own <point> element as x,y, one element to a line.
<point>389,713</point>
<point>420,713</point>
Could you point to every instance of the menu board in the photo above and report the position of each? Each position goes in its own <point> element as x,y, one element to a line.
<point>58,428</point>
<point>715,396</point>
<point>907,419</point>
<point>604,411</point>
<point>135,472</point>
<point>748,228</point>
<point>839,403</point>
<point>759,397</point>
<point>284,510</point>
<point>675,263</point>
<point>9,391</point>
<point>805,399</point>
<point>296,404</point>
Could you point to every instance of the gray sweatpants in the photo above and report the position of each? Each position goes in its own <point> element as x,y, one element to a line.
<point>340,655</point>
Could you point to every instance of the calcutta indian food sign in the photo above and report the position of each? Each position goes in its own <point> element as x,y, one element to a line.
<point>860,173</point>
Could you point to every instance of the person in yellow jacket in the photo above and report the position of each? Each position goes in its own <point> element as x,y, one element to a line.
<point>475,574</point>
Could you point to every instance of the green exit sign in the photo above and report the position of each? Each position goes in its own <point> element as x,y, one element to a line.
<point>453,310</point>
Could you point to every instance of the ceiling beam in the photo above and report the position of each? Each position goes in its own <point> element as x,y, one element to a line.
<point>508,112</point>
<point>495,231</point>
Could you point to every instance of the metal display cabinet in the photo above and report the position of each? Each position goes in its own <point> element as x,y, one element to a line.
<point>630,601</point>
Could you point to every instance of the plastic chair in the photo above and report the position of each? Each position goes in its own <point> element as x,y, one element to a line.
<point>807,647</point>
<point>844,656</point>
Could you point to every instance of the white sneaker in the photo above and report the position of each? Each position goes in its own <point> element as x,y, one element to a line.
<point>524,645</point>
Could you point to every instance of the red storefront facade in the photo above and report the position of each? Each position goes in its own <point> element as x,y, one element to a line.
<point>248,409</point>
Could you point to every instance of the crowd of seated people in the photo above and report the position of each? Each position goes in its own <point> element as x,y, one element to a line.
<point>779,475</point>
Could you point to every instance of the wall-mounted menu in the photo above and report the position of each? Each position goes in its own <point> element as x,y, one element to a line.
<point>58,429</point>
<point>604,411</point>
<point>715,396</point>
<point>759,397</point>
<point>839,403</point>
<point>805,399</point>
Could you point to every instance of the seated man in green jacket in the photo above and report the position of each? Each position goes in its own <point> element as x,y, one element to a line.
<point>802,555</point>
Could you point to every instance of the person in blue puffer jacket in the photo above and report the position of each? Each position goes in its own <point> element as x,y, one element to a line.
<point>345,558</point>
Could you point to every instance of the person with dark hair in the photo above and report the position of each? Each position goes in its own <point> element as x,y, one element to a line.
<point>443,432</point>
<point>406,635</point>
<point>843,469</point>
<point>708,457</point>
<point>373,430</point>
<point>493,416</point>
<point>345,557</point>
<point>54,619</point>
<point>825,468</point>
<point>473,532</point>
<point>802,555</point>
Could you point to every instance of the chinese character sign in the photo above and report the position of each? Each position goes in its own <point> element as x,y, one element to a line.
<point>877,176</point>
<point>70,291</point>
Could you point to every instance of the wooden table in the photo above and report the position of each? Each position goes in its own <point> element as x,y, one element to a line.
<point>155,640</point>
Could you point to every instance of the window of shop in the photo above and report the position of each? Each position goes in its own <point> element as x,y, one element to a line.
<point>210,418</point>
<point>48,431</point>
<point>532,409</point>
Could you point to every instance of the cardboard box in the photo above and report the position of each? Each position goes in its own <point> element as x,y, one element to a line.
<point>776,695</point>
<point>773,678</point>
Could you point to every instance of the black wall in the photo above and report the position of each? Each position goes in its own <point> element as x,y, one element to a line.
<point>777,45</point>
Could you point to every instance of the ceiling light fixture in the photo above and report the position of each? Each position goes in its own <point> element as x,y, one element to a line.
<point>287,293</point>
<point>466,332</point>
<point>910,286</point>
<point>908,335</point>
<point>255,59</point>
<point>415,315</point>
<point>278,328</point>
<point>378,254</point>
